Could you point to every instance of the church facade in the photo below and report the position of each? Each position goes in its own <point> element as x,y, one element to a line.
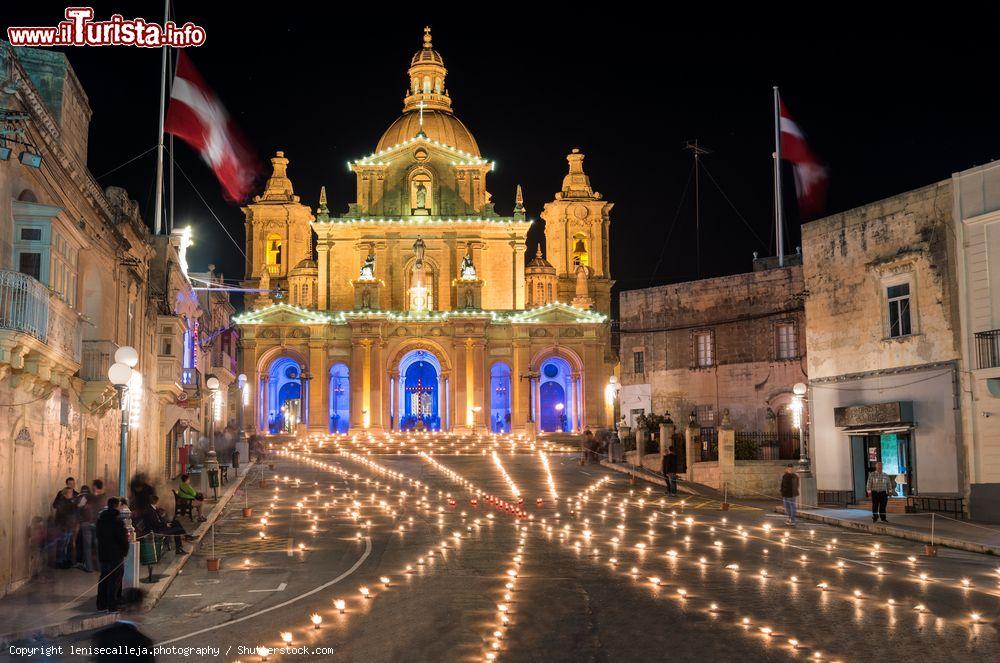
<point>415,309</point>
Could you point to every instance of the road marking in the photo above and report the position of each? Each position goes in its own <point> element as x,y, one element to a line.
<point>184,596</point>
<point>355,567</point>
<point>280,588</point>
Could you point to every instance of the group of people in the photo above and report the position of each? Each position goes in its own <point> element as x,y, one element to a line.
<point>73,541</point>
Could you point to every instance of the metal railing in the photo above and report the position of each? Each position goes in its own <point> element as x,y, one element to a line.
<point>222,360</point>
<point>709,437</point>
<point>759,445</point>
<point>988,349</point>
<point>24,305</point>
<point>97,358</point>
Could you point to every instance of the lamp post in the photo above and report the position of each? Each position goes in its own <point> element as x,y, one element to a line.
<point>531,376</point>
<point>559,408</point>
<point>120,374</point>
<point>807,482</point>
<point>212,460</point>
<point>241,382</point>
<point>611,393</point>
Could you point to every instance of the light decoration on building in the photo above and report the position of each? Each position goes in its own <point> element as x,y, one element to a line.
<point>421,221</point>
<point>217,405</point>
<point>529,316</point>
<point>135,399</point>
<point>468,159</point>
<point>185,242</point>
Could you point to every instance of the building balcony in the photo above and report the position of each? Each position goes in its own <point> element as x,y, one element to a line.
<point>40,336</point>
<point>224,363</point>
<point>169,375</point>
<point>97,358</point>
<point>190,379</point>
<point>988,349</point>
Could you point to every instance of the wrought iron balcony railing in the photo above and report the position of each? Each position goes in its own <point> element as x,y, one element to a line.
<point>97,358</point>
<point>988,349</point>
<point>24,305</point>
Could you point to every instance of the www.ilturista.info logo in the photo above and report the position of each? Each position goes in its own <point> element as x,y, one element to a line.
<point>79,29</point>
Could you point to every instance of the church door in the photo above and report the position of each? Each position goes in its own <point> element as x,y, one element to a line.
<point>420,401</point>
<point>553,407</point>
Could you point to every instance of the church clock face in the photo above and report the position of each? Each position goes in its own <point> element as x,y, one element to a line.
<point>579,212</point>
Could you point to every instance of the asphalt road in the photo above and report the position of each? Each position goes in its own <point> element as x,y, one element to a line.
<point>572,583</point>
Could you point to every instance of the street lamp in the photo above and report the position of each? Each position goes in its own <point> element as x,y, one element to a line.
<point>120,374</point>
<point>559,408</point>
<point>241,381</point>
<point>807,482</point>
<point>212,461</point>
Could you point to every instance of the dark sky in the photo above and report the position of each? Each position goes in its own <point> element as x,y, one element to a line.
<point>890,103</point>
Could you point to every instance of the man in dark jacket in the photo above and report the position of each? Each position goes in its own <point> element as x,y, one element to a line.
<point>112,548</point>
<point>670,471</point>
<point>789,492</point>
<point>153,520</point>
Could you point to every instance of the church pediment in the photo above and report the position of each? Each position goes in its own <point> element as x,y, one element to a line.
<point>281,314</point>
<point>556,313</point>
<point>459,157</point>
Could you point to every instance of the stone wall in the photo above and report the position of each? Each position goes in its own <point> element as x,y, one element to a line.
<point>742,312</point>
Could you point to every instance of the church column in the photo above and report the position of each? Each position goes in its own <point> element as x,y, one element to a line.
<point>319,388</point>
<point>323,246</point>
<point>461,379</point>
<point>380,387</point>
<point>479,391</point>
<point>356,383</point>
<point>520,390</point>
<point>577,402</point>
<point>392,396</point>
<point>443,399</point>
<point>517,291</point>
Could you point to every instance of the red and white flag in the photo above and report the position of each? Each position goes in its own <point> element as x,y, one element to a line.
<point>198,117</point>
<point>810,174</point>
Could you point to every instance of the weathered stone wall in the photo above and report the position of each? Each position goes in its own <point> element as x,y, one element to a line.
<point>742,312</point>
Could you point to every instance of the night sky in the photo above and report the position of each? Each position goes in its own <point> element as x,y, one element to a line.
<point>889,104</point>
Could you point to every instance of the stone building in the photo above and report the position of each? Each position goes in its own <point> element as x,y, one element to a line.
<point>411,311</point>
<point>883,340</point>
<point>977,238</point>
<point>80,276</point>
<point>731,342</point>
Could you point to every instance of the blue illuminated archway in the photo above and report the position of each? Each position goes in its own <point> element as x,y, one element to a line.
<point>284,386</point>
<point>556,396</point>
<point>419,377</point>
<point>340,398</point>
<point>500,398</point>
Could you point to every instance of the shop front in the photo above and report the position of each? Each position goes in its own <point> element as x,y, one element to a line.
<point>880,433</point>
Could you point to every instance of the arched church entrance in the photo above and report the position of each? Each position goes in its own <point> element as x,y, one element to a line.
<point>419,389</point>
<point>283,410</point>
<point>500,398</point>
<point>340,398</point>
<point>556,396</point>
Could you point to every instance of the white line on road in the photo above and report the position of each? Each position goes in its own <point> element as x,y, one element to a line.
<point>355,567</point>
<point>280,588</point>
<point>184,596</point>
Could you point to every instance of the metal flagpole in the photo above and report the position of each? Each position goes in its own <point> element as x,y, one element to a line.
<point>158,216</point>
<point>779,216</point>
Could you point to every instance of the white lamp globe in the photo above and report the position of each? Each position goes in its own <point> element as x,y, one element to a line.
<point>212,383</point>
<point>799,389</point>
<point>127,355</point>
<point>119,374</point>
<point>241,379</point>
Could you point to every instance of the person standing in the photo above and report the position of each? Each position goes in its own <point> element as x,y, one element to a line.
<point>112,548</point>
<point>878,487</point>
<point>789,492</point>
<point>96,501</point>
<point>670,471</point>
<point>66,507</point>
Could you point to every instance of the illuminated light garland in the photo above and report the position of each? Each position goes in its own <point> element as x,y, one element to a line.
<point>423,221</point>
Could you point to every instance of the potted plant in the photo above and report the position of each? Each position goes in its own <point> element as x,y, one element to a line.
<point>213,563</point>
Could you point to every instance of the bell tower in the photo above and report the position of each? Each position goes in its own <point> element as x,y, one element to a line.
<point>279,237</point>
<point>577,225</point>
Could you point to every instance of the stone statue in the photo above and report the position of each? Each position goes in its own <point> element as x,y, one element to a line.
<point>366,298</point>
<point>469,300</point>
<point>421,196</point>
<point>265,278</point>
<point>582,287</point>
<point>368,269</point>
<point>418,250</point>
<point>468,269</point>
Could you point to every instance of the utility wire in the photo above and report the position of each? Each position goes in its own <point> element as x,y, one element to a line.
<point>119,167</point>
<point>673,224</point>
<point>209,208</point>
<point>726,198</point>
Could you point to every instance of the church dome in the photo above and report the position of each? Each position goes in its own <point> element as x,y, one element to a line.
<point>441,126</point>
<point>305,264</point>
<point>427,92</point>
<point>539,264</point>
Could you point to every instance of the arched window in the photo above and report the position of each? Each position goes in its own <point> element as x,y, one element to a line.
<point>427,84</point>
<point>580,254</point>
<point>500,398</point>
<point>550,293</point>
<point>305,295</point>
<point>273,250</point>
<point>340,399</point>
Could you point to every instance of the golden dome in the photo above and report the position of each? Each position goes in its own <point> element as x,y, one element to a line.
<point>441,126</point>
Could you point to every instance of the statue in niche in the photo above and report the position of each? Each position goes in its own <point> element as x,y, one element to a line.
<point>418,250</point>
<point>366,298</point>
<point>468,269</point>
<point>469,301</point>
<point>582,288</point>
<point>421,196</point>
<point>368,269</point>
<point>265,279</point>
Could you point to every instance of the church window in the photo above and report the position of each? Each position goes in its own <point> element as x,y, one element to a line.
<point>273,252</point>
<point>550,293</point>
<point>305,296</point>
<point>580,254</point>
<point>427,84</point>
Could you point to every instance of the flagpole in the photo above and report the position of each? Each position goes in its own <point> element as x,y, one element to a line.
<point>158,214</point>
<point>779,216</point>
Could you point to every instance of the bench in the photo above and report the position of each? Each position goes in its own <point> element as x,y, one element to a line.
<point>183,506</point>
<point>948,504</point>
